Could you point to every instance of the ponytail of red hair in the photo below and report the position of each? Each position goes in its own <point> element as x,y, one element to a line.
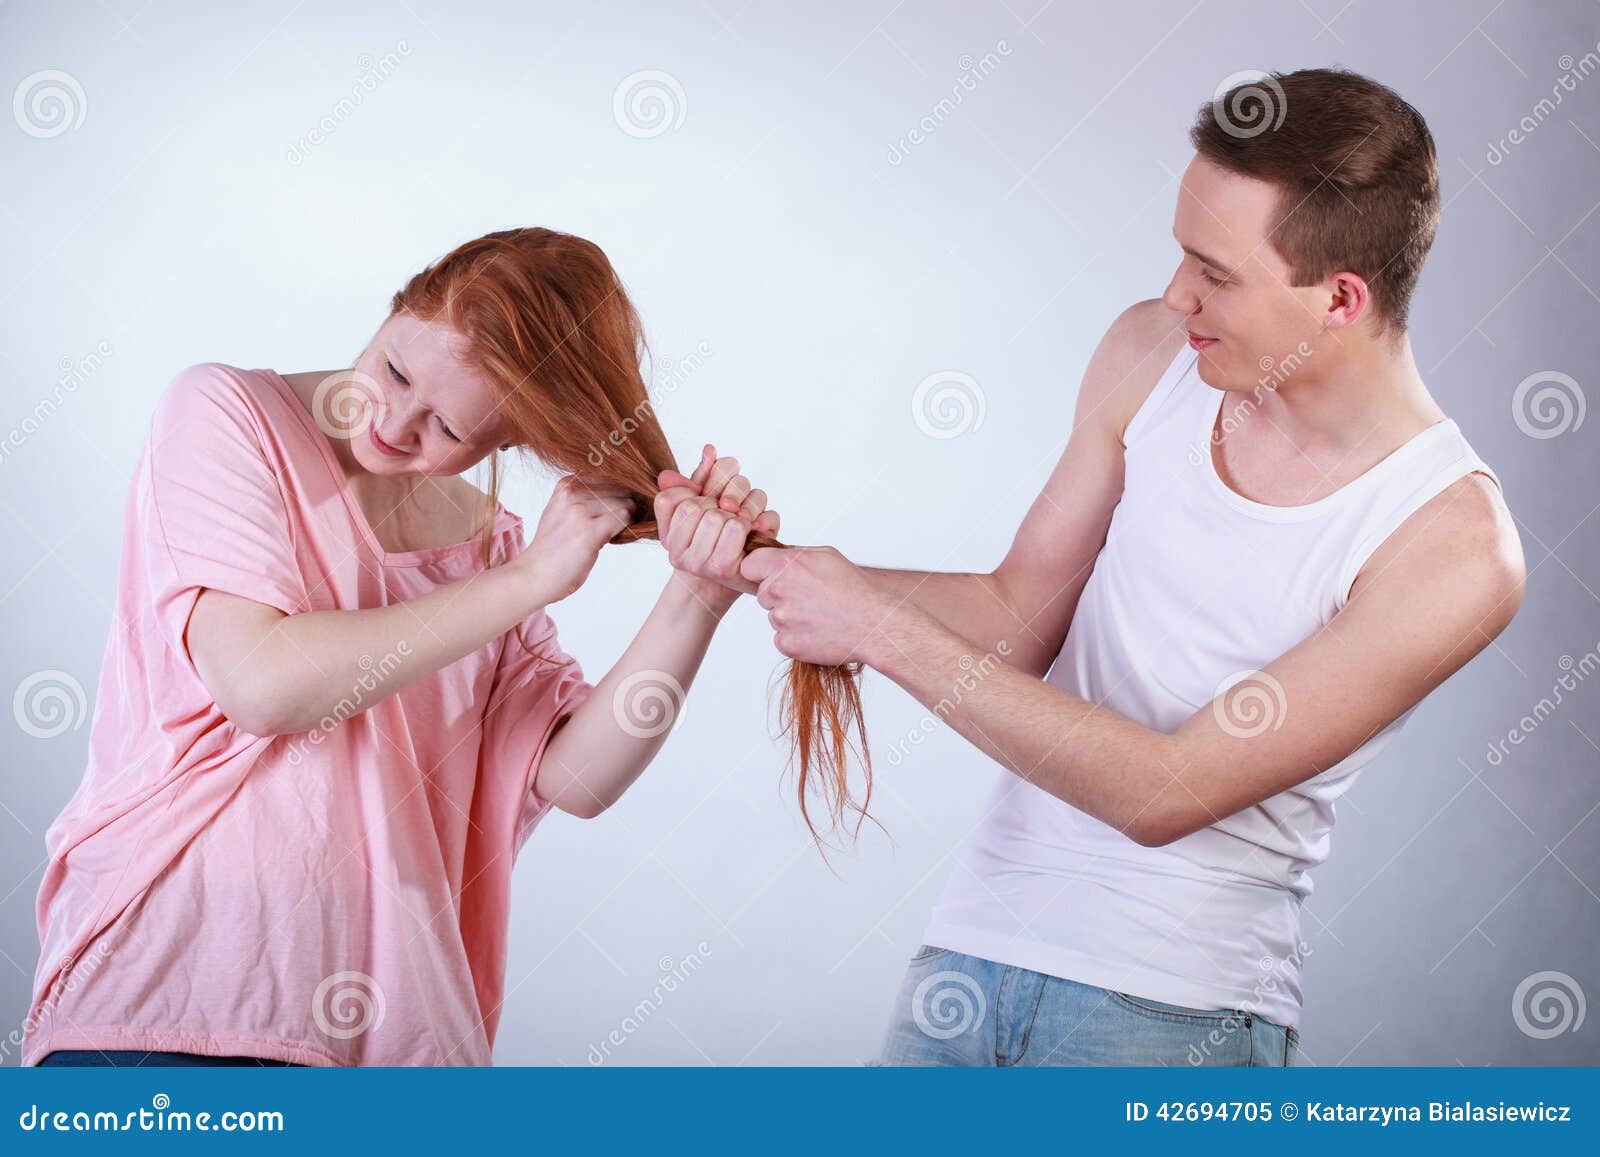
<point>547,320</point>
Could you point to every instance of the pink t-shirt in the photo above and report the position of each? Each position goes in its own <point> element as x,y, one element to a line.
<point>334,897</point>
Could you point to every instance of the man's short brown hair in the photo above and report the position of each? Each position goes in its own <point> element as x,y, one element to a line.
<point>1356,168</point>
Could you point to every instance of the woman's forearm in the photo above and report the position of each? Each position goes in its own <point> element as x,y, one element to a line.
<point>278,674</point>
<point>603,747</point>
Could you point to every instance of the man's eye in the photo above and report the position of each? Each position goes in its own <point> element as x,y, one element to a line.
<point>1206,273</point>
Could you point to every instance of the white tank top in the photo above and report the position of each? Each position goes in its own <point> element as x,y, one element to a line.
<point>1195,585</point>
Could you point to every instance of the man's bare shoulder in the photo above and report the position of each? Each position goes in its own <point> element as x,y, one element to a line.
<point>1460,552</point>
<point>1129,361</point>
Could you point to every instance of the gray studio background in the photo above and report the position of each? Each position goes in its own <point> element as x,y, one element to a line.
<point>249,182</point>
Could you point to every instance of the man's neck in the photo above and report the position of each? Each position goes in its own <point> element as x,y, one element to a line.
<point>1353,391</point>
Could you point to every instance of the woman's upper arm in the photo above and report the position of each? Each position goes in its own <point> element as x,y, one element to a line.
<point>224,638</point>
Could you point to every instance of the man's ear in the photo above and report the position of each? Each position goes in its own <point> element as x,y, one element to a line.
<point>1348,302</point>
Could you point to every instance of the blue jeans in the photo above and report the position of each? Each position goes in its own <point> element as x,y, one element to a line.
<point>955,1009</point>
<point>137,1058</point>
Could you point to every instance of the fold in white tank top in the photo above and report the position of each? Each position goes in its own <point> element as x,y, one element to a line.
<point>1195,587</point>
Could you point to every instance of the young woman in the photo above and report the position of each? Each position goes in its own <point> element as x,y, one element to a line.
<point>333,705</point>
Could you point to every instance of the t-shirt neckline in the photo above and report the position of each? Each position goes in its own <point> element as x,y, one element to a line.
<point>503,518</point>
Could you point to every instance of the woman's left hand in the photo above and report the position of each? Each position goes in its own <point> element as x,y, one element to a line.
<point>704,519</point>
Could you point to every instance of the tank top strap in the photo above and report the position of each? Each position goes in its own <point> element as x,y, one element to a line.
<point>1405,482</point>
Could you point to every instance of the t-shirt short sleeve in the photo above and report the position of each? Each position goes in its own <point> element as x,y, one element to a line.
<point>209,505</point>
<point>536,686</point>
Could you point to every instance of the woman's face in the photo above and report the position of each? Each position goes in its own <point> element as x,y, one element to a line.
<point>427,410</point>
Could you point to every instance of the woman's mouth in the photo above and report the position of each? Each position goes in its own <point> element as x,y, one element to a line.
<point>383,447</point>
<point>1200,343</point>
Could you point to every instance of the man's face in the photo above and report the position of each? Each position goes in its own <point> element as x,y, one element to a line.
<point>1243,315</point>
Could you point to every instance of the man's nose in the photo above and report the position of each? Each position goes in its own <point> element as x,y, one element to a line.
<point>1178,296</point>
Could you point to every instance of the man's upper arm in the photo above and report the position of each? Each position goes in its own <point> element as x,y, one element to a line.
<point>1432,596</point>
<point>1050,559</point>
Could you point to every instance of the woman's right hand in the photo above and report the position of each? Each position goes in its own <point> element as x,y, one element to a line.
<point>580,518</point>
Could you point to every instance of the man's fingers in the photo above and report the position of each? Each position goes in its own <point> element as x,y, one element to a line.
<point>760,565</point>
<point>671,479</point>
<point>767,522</point>
<point>729,550</point>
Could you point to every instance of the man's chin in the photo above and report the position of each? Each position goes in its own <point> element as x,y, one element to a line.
<point>1216,375</point>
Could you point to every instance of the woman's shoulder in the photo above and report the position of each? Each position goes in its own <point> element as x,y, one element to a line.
<point>215,393</point>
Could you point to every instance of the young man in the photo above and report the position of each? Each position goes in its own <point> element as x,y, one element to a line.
<point>1263,546</point>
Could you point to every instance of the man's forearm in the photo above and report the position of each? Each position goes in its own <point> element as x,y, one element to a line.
<point>976,607</point>
<point>1102,763</point>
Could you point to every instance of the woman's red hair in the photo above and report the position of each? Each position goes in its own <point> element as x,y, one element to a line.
<point>548,322</point>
